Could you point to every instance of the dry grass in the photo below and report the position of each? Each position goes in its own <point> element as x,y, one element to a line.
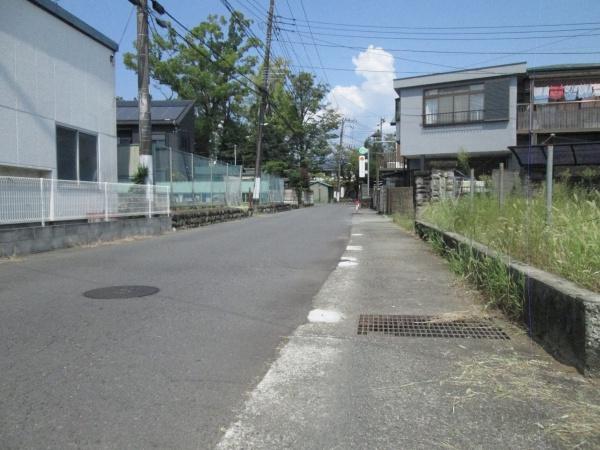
<point>572,403</point>
<point>459,316</point>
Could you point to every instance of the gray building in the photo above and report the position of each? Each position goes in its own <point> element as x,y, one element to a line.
<point>173,123</point>
<point>485,111</point>
<point>322,192</point>
<point>473,110</point>
<point>57,95</point>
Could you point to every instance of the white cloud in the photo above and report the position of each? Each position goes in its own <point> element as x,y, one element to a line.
<point>375,95</point>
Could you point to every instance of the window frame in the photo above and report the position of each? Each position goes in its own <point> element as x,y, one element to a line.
<point>452,91</point>
<point>78,131</point>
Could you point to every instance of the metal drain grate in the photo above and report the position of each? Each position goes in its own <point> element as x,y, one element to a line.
<point>428,326</point>
<point>121,292</point>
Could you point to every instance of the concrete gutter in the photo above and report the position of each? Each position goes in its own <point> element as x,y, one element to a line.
<point>560,315</point>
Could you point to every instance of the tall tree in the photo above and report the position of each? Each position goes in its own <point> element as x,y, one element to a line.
<point>209,75</point>
<point>300,126</point>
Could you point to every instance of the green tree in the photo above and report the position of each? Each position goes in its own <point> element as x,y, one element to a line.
<point>210,76</point>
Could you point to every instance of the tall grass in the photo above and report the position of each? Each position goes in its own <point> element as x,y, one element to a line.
<point>404,221</point>
<point>569,247</point>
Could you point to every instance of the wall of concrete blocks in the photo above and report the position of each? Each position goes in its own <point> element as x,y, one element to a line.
<point>36,239</point>
<point>562,316</point>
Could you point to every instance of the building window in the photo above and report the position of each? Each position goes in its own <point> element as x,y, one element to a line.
<point>453,105</point>
<point>76,155</point>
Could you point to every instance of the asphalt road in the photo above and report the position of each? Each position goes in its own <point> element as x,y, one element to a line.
<point>165,371</point>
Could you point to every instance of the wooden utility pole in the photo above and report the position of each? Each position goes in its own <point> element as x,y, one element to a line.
<point>339,162</point>
<point>145,124</point>
<point>263,104</point>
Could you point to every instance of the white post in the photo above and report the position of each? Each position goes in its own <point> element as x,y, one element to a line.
<point>170,169</point>
<point>210,164</point>
<point>501,185</point>
<point>168,202</point>
<point>43,220</point>
<point>549,181</point>
<point>193,191</point>
<point>52,193</point>
<point>472,191</point>
<point>227,184</point>
<point>106,201</point>
<point>368,174</point>
<point>149,196</point>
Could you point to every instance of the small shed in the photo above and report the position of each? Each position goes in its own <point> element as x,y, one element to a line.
<point>322,192</point>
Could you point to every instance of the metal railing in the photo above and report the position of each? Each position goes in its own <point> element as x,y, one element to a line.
<point>26,200</point>
<point>575,115</point>
<point>453,118</point>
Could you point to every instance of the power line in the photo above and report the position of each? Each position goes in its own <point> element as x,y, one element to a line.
<point>410,38</point>
<point>126,24</point>
<point>362,25</point>
<point>257,89</point>
<point>378,31</point>
<point>330,44</point>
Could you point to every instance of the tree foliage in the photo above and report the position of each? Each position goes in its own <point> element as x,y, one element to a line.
<point>210,71</point>
<point>210,75</point>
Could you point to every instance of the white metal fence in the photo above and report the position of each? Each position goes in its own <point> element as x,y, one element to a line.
<point>24,200</point>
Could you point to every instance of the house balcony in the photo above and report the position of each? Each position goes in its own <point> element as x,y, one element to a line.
<point>553,117</point>
<point>391,161</point>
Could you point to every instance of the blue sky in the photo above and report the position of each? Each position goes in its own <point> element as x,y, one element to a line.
<point>359,93</point>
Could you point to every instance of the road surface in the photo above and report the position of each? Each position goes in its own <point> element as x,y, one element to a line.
<point>169,370</point>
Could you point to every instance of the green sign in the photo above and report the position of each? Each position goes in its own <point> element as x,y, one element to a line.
<point>363,150</point>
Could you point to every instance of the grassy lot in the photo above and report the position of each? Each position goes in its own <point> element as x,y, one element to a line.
<point>569,247</point>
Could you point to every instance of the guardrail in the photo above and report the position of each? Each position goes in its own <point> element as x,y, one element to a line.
<point>42,200</point>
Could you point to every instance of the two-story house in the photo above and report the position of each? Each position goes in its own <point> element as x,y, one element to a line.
<point>57,95</point>
<point>485,111</point>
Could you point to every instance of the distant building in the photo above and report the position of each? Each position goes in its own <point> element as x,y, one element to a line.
<point>485,111</point>
<point>322,192</point>
<point>173,123</point>
<point>57,95</point>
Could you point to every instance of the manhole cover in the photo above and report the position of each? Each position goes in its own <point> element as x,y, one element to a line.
<point>121,292</point>
<point>428,326</point>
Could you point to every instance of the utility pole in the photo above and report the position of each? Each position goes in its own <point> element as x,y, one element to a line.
<point>339,162</point>
<point>381,121</point>
<point>235,154</point>
<point>263,103</point>
<point>145,125</point>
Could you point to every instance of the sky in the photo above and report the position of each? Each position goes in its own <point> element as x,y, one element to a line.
<point>357,46</point>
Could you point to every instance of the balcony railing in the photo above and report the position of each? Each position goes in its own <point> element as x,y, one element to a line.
<point>560,116</point>
<point>391,160</point>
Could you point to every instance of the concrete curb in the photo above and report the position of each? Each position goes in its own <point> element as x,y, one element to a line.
<point>37,239</point>
<point>562,316</point>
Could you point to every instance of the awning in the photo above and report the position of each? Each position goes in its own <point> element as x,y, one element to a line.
<point>574,154</point>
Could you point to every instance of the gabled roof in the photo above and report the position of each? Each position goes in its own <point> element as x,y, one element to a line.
<point>161,111</point>
<point>319,182</point>
<point>75,22</point>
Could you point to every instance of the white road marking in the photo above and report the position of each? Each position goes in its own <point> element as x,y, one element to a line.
<point>354,248</point>
<point>357,234</point>
<point>324,316</point>
<point>347,264</point>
